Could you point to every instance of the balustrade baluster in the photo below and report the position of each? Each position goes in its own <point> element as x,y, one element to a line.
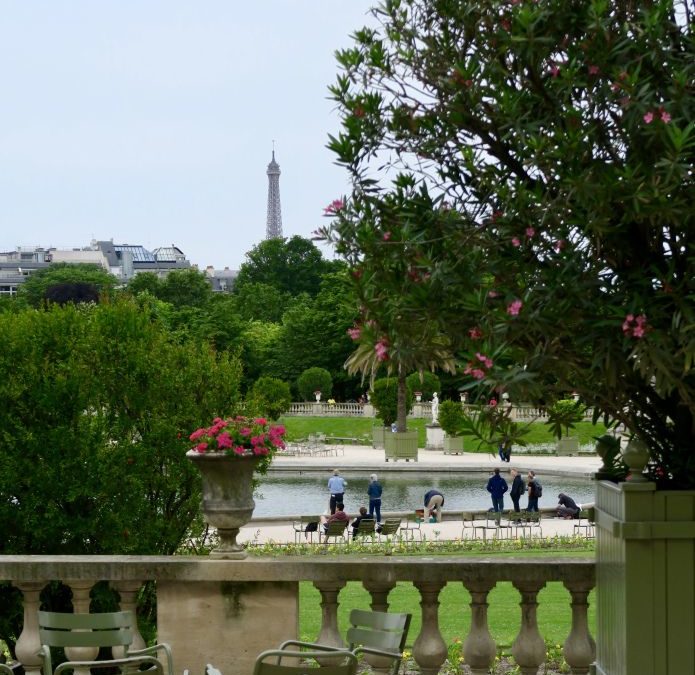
<point>29,644</point>
<point>128,590</point>
<point>80,605</point>
<point>329,633</point>
<point>529,648</point>
<point>579,648</point>
<point>379,590</point>
<point>479,648</point>
<point>429,649</point>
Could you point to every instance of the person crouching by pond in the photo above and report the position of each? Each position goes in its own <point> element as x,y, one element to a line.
<point>567,508</point>
<point>336,488</point>
<point>374,491</point>
<point>434,501</point>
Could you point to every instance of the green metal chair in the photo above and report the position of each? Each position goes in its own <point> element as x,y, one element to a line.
<point>586,522</point>
<point>5,670</point>
<point>365,528</point>
<point>335,530</point>
<point>388,529</point>
<point>303,662</point>
<point>107,629</point>
<point>379,634</point>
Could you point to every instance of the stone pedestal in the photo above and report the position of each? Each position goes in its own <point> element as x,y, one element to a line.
<point>368,410</point>
<point>435,437</point>
<point>225,623</point>
<point>317,409</point>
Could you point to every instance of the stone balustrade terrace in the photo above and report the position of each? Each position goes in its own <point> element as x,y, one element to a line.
<point>226,612</point>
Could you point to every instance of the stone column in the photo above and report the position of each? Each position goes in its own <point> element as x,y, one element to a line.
<point>29,643</point>
<point>329,633</point>
<point>379,590</point>
<point>529,648</point>
<point>128,590</point>
<point>479,649</point>
<point>80,605</point>
<point>429,649</point>
<point>579,648</point>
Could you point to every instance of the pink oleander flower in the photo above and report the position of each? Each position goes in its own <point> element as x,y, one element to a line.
<point>484,359</point>
<point>475,333</point>
<point>514,307</point>
<point>665,117</point>
<point>386,236</point>
<point>593,70</point>
<point>530,232</point>
<point>354,333</point>
<point>559,245</point>
<point>554,70</point>
<point>648,117</point>
<point>492,294</point>
<point>382,349</point>
<point>516,242</point>
<point>334,207</point>
<point>492,402</point>
<point>475,373</point>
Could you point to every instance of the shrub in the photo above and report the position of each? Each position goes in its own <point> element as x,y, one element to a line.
<point>384,397</point>
<point>451,417</point>
<point>270,396</point>
<point>425,382</point>
<point>314,379</point>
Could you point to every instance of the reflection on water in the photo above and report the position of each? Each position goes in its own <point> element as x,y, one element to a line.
<point>284,496</point>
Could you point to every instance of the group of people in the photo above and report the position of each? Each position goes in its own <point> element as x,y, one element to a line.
<point>497,487</point>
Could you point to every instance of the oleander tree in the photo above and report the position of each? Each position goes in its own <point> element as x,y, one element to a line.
<point>525,170</point>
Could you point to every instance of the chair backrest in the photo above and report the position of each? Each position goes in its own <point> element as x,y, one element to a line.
<point>390,526</point>
<point>591,514</point>
<point>336,528</point>
<point>326,666</point>
<point>366,526</point>
<point>381,630</point>
<point>104,629</point>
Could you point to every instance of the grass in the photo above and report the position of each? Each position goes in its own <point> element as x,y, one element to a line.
<point>359,427</point>
<point>504,614</point>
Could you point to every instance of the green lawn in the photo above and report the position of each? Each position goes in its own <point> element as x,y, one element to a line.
<point>358,427</point>
<point>504,614</point>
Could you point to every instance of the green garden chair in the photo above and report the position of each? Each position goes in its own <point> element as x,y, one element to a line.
<point>365,529</point>
<point>334,530</point>
<point>379,634</point>
<point>388,529</point>
<point>5,670</point>
<point>107,629</point>
<point>312,661</point>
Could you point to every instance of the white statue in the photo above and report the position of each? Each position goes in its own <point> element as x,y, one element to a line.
<point>435,408</point>
<point>318,396</point>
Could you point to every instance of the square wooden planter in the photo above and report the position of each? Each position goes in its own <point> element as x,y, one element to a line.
<point>401,445</point>
<point>378,436</point>
<point>645,567</point>
<point>566,447</point>
<point>453,445</point>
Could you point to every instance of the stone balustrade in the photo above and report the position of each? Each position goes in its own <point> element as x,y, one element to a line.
<point>226,612</point>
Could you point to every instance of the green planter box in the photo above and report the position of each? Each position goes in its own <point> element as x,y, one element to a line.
<point>378,436</point>
<point>645,558</point>
<point>453,445</point>
<point>401,445</point>
<point>567,447</point>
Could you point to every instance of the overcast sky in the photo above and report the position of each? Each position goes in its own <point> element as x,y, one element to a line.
<point>151,121</point>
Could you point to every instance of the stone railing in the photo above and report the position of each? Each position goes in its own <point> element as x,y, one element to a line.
<point>226,612</point>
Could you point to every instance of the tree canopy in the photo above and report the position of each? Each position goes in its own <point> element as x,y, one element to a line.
<point>522,182</point>
<point>33,290</point>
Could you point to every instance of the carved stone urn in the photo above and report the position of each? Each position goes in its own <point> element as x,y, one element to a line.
<point>227,496</point>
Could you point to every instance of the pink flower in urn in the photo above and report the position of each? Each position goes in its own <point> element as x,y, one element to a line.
<point>239,450</point>
<point>224,441</point>
<point>198,433</point>
<point>201,447</point>
<point>260,420</point>
<point>514,307</point>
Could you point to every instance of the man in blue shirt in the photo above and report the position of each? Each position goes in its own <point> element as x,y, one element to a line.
<point>497,486</point>
<point>336,487</point>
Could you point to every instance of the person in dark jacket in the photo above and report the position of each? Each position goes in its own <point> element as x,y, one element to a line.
<point>518,489</point>
<point>533,490</point>
<point>356,523</point>
<point>374,491</point>
<point>434,501</point>
<point>497,486</point>
<point>567,507</point>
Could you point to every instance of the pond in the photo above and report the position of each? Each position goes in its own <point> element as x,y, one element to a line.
<point>307,495</point>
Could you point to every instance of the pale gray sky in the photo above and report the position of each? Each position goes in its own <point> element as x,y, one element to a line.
<point>151,121</point>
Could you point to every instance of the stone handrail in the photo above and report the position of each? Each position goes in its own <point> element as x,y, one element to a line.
<point>226,612</point>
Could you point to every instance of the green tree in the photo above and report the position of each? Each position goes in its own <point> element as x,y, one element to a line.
<point>259,342</point>
<point>314,379</point>
<point>384,397</point>
<point>426,382</point>
<point>291,266</point>
<point>185,288</point>
<point>257,301</point>
<point>33,290</point>
<point>145,281</point>
<point>540,191</point>
<point>271,397</point>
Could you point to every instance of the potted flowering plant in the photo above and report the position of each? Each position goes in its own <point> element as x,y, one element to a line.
<point>227,453</point>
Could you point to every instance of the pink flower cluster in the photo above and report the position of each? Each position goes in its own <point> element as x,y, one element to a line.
<point>649,116</point>
<point>514,307</point>
<point>382,349</point>
<point>354,333</point>
<point>635,326</point>
<point>475,333</point>
<point>477,369</point>
<point>333,208</point>
<point>240,436</point>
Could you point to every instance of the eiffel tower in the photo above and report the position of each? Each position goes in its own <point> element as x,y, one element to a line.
<point>273,225</point>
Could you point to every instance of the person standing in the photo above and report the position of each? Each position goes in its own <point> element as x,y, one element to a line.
<point>518,489</point>
<point>434,501</point>
<point>534,490</point>
<point>374,491</point>
<point>497,486</point>
<point>336,488</point>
